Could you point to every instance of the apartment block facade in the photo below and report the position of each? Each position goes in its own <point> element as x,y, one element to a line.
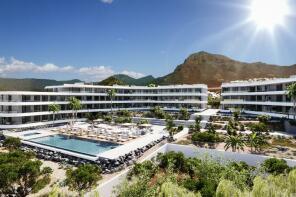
<point>268,96</point>
<point>19,109</point>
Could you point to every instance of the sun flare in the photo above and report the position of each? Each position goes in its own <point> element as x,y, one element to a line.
<point>267,14</point>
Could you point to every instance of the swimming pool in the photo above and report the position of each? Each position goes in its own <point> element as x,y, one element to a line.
<point>30,134</point>
<point>75,144</point>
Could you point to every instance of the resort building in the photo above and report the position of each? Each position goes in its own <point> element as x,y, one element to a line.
<point>259,96</point>
<point>20,109</point>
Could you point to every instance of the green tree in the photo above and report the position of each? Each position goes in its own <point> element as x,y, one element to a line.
<point>83,178</point>
<point>184,114</point>
<point>170,127</point>
<point>111,93</point>
<point>12,143</point>
<point>20,175</point>
<point>75,105</point>
<point>235,142</point>
<point>263,118</point>
<point>54,109</point>
<point>236,115</point>
<point>292,94</point>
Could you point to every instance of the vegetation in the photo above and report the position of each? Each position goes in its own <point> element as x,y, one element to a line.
<point>143,121</point>
<point>83,178</point>
<point>12,143</point>
<point>91,118</point>
<point>235,142</point>
<point>172,174</point>
<point>275,166</point>
<point>158,113</point>
<point>204,137</point>
<point>184,114</point>
<point>263,118</point>
<point>196,127</point>
<point>20,175</point>
<point>171,127</point>
<point>292,94</point>
<point>214,102</point>
<point>111,94</point>
<point>54,108</point>
<point>75,105</point>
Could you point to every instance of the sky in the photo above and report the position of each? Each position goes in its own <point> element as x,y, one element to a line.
<point>93,39</point>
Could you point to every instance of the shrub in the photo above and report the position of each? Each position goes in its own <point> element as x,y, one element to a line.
<point>12,143</point>
<point>83,178</point>
<point>275,166</point>
<point>180,128</point>
<point>123,119</point>
<point>205,137</point>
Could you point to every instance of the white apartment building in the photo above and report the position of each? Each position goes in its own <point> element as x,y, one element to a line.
<point>261,96</point>
<point>19,109</point>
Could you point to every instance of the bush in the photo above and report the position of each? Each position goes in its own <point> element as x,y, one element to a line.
<point>275,166</point>
<point>180,128</point>
<point>205,137</point>
<point>12,143</point>
<point>107,118</point>
<point>83,178</point>
<point>123,119</point>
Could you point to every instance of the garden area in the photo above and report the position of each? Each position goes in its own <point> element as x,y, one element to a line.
<point>172,174</point>
<point>239,135</point>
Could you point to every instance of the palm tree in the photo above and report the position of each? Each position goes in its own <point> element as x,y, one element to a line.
<point>170,127</point>
<point>292,94</point>
<point>235,143</point>
<point>75,105</point>
<point>252,141</point>
<point>91,118</point>
<point>54,108</point>
<point>111,94</point>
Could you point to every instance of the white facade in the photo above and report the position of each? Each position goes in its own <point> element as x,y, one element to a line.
<point>20,109</point>
<point>267,96</point>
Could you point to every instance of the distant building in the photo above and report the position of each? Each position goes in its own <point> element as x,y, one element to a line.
<point>259,96</point>
<point>29,109</point>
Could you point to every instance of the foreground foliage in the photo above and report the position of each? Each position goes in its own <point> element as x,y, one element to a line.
<point>172,174</point>
<point>21,174</point>
<point>83,178</point>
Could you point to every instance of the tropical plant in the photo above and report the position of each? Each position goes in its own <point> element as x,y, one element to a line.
<point>263,118</point>
<point>292,94</point>
<point>20,175</point>
<point>214,102</point>
<point>256,141</point>
<point>235,142</point>
<point>170,127</point>
<point>91,118</point>
<point>12,143</point>
<point>204,137</point>
<point>83,178</point>
<point>259,128</point>
<point>111,93</point>
<point>158,112</point>
<point>75,105</point>
<point>184,114</point>
<point>54,108</point>
<point>236,115</point>
<point>275,166</point>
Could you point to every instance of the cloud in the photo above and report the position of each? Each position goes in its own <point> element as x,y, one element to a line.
<point>133,74</point>
<point>96,72</point>
<point>91,73</point>
<point>107,1</point>
<point>17,66</point>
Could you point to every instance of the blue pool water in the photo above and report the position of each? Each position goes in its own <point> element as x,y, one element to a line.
<point>75,144</point>
<point>30,134</point>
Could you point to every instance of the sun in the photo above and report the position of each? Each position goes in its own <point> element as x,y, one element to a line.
<point>267,14</point>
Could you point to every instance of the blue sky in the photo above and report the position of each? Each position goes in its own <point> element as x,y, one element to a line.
<point>92,39</point>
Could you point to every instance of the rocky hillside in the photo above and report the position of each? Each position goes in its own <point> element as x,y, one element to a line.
<point>212,69</point>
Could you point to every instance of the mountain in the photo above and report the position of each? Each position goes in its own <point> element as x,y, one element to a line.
<point>213,69</point>
<point>110,81</point>
<point>11,84</point>
<point>122,79</point>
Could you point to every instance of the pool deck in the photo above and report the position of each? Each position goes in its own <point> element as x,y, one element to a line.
<point>157,133</point>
